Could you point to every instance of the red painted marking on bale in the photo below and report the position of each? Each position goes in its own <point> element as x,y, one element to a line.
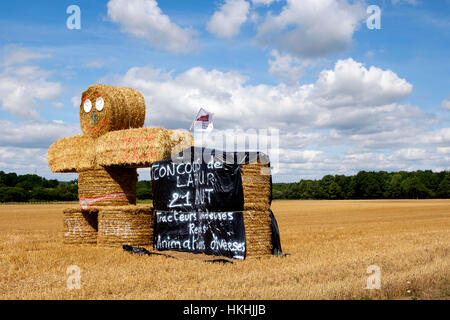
<point>150,146</point>
<point>126,148</point>
<point>100,127</point>
<point>85,203</point>
<point>136,140</point>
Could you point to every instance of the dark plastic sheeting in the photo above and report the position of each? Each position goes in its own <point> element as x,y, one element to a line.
<point>198,198</point>
<point>276,242</point>
<point>213,233</point>
<point>197,185</point>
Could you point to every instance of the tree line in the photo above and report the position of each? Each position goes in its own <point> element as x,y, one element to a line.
<point>33,188</point>
<point>369,185</point>
<point>364,185</point>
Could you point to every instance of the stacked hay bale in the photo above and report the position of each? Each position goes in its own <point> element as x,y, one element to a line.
<point>72,154</point>
<point>106,156</point>
<point>256,182</point>
<point>112,109</point>
<point>130,225</point>
<point>80,226</point>
<point>107,187</point>
<point>258,233</point>
<point>257,186</point>
<point>137,148</point>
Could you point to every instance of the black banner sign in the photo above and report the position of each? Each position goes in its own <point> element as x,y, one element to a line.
<point>213,233</point>
<point>197,185</point>
<point>199,203</point>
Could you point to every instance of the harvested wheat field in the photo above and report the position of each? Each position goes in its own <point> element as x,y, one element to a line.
<point>332,243</point>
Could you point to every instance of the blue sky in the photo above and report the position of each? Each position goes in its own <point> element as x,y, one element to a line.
<point>345,98</point>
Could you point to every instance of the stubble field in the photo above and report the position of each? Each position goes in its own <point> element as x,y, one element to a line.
<point>331,245</point>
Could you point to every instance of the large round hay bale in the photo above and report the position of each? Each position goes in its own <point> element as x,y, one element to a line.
<point>107,187</point>
<point>107,108</point>
<point>127,225</point>
<point>258,233</point>
<point>80,226</point>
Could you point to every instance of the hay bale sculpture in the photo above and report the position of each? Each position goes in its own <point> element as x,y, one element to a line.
<point>106,157</point>
<point>113,145</point>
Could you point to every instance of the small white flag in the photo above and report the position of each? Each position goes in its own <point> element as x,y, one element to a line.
<point>203,121</point>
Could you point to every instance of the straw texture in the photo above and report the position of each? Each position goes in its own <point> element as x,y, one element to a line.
<point>80,226</point>
<point>72,154</point>
<point>256,182</point>
<point>130,225</point>
<point>107,187</point>
<point>258,233</point>
<point>123,108</point>
<point>256,185</point>
<point>180,140</point>
<point>137,148</point>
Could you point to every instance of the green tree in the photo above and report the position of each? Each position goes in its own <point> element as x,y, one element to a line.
<point>144,190</point>
<point>13,194</point>
<point>443,190</point>
<point>334,191</point>
<point>414,188</point>
<point>394,188</point>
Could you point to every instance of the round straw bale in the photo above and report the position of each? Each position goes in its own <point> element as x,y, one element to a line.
<point>258,233</point>
<point>107,186</point>
<point>80,226</point>
<point>137,148</point>
<point>130,225</point>
<point>180,140</point>
<point>107,108</point>
<point>72,154</point>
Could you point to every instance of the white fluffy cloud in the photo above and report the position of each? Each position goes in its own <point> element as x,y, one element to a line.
<point>76,101</point>
<point>14,54</point>
<point>350,119</point>
<point>311,28</point>
<point>264,2</point>
<point>445,105</point>
<point>144,19</point>
<point>411,153</point>
<point>348,96</point>
<point>24,146</point>
<point>22,85</point>
<point>227,21</point>
<point>350,83</point>
<point>22,159</point>
<point>29,160</point>
<point>443,150</point>
<point>285,67</point>
<point>35,134</point>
